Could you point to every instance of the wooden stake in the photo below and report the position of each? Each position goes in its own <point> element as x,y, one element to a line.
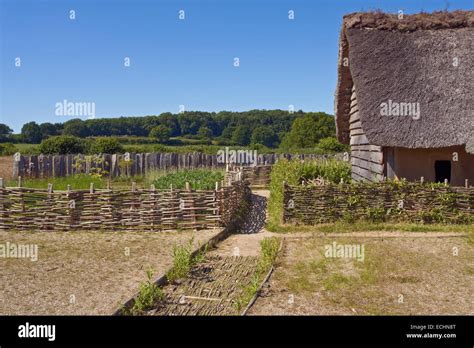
<point>50,188</point>
<point>422,179</point>
<point>466,183</point>
<point>188,187</point>
<point>1,182</point>
<point>445,182</point>
<point>19,181</point>
<point>91,188</point>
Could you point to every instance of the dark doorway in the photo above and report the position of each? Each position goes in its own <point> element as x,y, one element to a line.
<point>443,171</point>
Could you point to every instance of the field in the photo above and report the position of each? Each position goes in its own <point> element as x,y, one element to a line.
<point>402,274</point>
<point>199,179</point>
<point>83,272</point>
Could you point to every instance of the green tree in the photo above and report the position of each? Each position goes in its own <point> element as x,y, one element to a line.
<point>5,132</point>
<point>77,128</point>
<point>265,136</point>
<point>204,133</point>
<point>227,132</point>
<point>161,133</point>
<point>241,135</point>
<point>31,133</point>
<point>307,131</point>
<point>48,130</point>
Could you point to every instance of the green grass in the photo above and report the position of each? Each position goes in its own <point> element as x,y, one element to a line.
<point>199,179</point>
<point>77,182</point>
<point>268,253</point>
<point>27,149</point>
<point>342,227</point>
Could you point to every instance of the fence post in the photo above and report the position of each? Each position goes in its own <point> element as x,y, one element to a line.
<point>19,181</point>
<point>445,182</point>
<point>91,188</point>
<point>422,179</point>
<point>1,182</point>
<point>466,183</point>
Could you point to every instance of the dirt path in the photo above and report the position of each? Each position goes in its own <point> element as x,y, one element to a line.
<point>247,241</point>
<point>215,286</point>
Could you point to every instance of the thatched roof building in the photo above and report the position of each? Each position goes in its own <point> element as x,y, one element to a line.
<point>406,83</point>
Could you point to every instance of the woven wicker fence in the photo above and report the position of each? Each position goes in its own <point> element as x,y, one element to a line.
<point>255,176</point>
<point>134,209</point>
<point>377,202</point>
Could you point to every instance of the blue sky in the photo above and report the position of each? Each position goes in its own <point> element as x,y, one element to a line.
<point>174,62</point>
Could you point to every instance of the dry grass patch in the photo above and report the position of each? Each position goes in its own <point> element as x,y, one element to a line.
<point>397,276</point>
<point>91,267</point>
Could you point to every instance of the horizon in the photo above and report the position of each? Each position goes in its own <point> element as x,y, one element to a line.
<point>174,62</point>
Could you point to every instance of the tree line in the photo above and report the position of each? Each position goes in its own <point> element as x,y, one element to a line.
<point>270,128</point>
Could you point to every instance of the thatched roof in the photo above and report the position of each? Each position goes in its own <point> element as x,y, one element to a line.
<point>425,59</point>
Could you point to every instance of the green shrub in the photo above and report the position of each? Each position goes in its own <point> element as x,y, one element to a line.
<point>105,145</point>
<point>61,145</point>
<point>183,260</point>
<point>7,149</point>
<point>330,145</point>
<point>294,171</point>
<point>375,214</point>
<point>148,295</point>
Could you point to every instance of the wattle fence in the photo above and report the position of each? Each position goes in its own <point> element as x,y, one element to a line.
<point>378,202</point>
<point>255,176</point>
<point>135,209</point>
<point>129,164</point>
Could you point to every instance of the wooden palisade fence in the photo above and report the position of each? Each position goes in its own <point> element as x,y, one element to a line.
<point>129,164</point>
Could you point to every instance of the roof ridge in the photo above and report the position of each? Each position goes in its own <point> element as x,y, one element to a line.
<point>409,22</point>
